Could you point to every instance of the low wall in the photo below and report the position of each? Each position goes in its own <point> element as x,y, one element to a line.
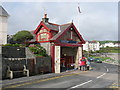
<point>13,52</point>
<point>16,57</point>
<point>14,64</point>
<point>43,65</point>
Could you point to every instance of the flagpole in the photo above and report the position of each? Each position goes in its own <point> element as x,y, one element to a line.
<point>78,21</point>
<point>79,16</point>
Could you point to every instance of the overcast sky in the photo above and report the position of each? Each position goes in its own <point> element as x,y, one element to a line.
<point>98,20</point>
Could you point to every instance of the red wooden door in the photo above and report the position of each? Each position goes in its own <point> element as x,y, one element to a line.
<point>68,61</point>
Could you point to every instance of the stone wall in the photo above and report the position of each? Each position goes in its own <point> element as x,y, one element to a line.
<point>43,65</point>
<point>14,64</point>
<point>46,46</point>
<point>14,57</point>
<point>13,52</point>
<point>17,57</point>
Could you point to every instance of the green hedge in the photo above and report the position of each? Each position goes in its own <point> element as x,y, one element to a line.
<point>38,50</point>
<point>15,45</point>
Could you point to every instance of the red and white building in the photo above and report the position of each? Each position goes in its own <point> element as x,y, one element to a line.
<point>62,42</point>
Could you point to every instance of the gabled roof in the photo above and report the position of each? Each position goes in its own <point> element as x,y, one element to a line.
<point>3,12</point>
<point>64,28</point>
<point>60,28</point>
<point>52,26</point>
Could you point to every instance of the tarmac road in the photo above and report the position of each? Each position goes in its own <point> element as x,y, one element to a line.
<point>103,75</point>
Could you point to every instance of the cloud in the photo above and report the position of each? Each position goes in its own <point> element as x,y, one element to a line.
<point>98,21</point>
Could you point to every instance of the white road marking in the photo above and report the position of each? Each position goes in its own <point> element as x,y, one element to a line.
<point>80,85</point>
<point>101,75</point>
<point>107,70</point>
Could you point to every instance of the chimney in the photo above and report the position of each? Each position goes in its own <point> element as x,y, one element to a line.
<point>45,19</point>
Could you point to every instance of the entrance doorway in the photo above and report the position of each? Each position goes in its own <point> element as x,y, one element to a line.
<point>67,60</point>
<point>67,63</point>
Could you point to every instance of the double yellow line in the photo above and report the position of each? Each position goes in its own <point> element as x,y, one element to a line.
<point>37,81</point>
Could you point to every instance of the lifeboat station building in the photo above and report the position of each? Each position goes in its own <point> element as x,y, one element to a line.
<point>62,42</point>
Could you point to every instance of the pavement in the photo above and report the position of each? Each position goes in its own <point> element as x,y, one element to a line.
<point>100,78</point>
<point>44,76</point>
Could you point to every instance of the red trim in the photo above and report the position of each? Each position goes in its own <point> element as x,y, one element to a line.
<point>53,30</point>
<point>49,36</point>
<point>69,39</point>
<point>78,34</point>
<point>52,53</point>
<point>43,29</point>
<point>42,41</point>
<point>39,26</point>
<point>72,25</point>
<point>63,33</point>
<point>69,45</point>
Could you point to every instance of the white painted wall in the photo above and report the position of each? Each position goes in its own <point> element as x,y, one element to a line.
<point>3,29</point>
<point>78,56</point>
<point>91,46</point>
<point>57,59</point>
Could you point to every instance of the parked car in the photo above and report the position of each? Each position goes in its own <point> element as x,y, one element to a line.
<point>97,60</point>
<point>91,59</point>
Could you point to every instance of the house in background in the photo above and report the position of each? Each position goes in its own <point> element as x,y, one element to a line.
<point>91,46</point>
<point>62,42</point>
<point>3,25</point>
<point>110,44</point>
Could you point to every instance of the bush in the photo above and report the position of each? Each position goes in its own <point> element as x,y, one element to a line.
<point>38,50</point>
<point>14,45</point>
<point>22,36</point>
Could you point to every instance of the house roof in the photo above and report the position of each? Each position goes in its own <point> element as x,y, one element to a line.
<point>52,26</point>
<point>3,12</point>
<point>62,29</point>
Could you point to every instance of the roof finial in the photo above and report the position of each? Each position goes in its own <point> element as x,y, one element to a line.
<point>45,14</point>
<point>72,21</point>
<point>45,19</point>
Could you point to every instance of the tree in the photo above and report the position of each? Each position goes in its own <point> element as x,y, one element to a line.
<point>22,36</point>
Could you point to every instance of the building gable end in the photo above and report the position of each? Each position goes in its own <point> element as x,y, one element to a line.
<point>70,35</point>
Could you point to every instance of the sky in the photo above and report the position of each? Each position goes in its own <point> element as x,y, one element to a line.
<point>98,20</point>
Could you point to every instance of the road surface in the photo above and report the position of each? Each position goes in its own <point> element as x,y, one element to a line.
<point>103,75</point>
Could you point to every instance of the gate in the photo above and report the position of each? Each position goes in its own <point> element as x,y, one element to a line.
<point>31,66</point>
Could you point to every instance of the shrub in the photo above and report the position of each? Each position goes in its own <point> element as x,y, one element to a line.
<point>38,50</point>
<point>14,45</point>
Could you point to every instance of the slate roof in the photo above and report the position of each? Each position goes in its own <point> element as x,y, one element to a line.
<point>59,28</point>
<point>3,12</point>
<point>62,29</point>
<point>56,27</point>
<point>52,26</point>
